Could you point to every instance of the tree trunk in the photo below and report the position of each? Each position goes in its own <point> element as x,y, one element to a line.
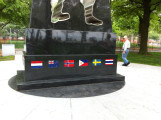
<point>140,26</point>
<point>17,34</point>
<point>145,27</point>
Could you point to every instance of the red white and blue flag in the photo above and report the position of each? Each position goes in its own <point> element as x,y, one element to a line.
<point>68,63</point>
<point>109,62</point>
<point>36,64</point>
<point>53,63</point>
<point>83,63</point>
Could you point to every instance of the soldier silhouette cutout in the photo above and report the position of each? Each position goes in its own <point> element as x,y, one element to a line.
<point>57,15</point>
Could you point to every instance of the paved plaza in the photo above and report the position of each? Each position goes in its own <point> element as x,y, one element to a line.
<point>139,99</point>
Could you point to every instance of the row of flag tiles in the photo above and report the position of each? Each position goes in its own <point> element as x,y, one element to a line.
<point>70,63</point>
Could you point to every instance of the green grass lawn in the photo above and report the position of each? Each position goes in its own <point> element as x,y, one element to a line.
<point>18,44</point>
<point>150,59</point>
<point>7,58</point>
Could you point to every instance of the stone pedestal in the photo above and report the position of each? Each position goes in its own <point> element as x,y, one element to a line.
<point>69,52</point>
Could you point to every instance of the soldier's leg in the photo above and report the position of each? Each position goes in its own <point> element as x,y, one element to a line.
<point>88,10</point>
<point>57,15</point>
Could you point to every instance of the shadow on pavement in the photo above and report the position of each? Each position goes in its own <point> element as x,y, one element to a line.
<point>75,91</point>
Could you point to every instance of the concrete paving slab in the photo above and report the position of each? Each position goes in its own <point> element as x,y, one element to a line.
<point>139,99</point>
<point>52,109</point>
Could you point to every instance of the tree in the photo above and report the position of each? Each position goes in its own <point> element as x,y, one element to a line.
<point>143,9</point>
<point>14,12</point>
<point>123,26</point>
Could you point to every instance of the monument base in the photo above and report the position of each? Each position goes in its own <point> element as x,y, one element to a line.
<point>60,70</point>
<point>23,85</point>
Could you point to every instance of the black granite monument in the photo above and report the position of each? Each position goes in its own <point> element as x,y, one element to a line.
<point>73,51</point>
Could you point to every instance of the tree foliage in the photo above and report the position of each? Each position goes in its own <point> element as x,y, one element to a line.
<point>15,12</point>
<point>155,23</point>
<point>154,35</point>
<point>123,26</point>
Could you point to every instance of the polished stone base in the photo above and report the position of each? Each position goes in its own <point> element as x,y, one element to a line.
<point>68,42</point>
<point>22,85</point>
<point>60,71</point>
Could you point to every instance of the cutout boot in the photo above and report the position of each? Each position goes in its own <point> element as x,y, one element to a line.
<point>90,19</point>
<point>57,14</point>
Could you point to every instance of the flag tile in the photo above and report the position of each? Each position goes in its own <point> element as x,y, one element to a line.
<point>68,63</point>
<point>36,64</point>
<point>83,63</point>
<point>109,61</point>
<point>96,62</point>
<point>53,63</point>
